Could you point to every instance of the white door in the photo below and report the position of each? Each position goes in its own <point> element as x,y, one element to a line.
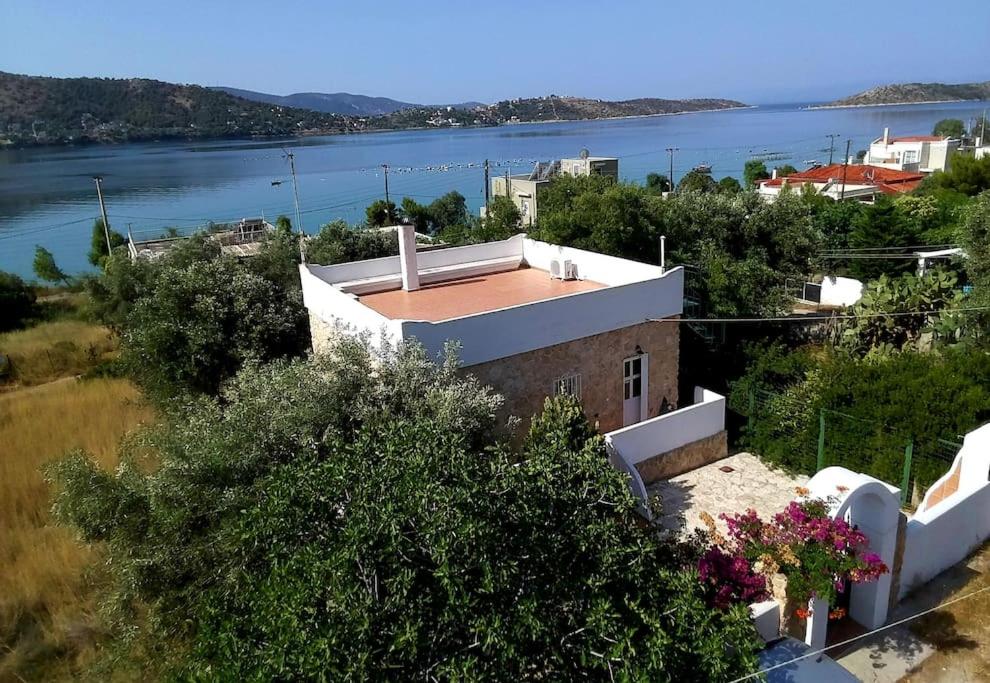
<point>633,389</point>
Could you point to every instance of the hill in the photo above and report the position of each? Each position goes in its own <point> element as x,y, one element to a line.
<point>555,108</point>
<point>36,110</point>
<point>44,110</point>
<point>338,102</point>
<point>331,103</point>
<point>907,93</point>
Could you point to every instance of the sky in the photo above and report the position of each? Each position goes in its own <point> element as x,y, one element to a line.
<point>448,51</point>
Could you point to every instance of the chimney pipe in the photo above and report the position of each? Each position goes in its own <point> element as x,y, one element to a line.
<point>407,257</point>
<point>773,174</point>
<point>886,136</point>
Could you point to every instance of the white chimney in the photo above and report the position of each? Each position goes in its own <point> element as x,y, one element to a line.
<point>773,174</point>
<point>407,257</point>
<point>886,136</point>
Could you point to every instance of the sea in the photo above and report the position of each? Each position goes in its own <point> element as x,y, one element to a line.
<point>48,195</point>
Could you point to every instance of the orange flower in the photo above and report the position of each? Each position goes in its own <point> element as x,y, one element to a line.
<point>837,613</point>
<point>842,489</point>
<point>802,613</point>
<point>802,490</point>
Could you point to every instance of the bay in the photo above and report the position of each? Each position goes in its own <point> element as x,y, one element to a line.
<point>48,197</point>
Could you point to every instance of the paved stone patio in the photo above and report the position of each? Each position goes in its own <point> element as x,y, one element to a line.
<point>749,484</point>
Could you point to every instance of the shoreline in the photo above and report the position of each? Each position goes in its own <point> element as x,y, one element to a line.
<point>317,134</point>
<point>883,104</point>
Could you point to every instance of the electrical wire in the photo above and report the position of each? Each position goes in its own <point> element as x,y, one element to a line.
<point>799,318</point>
<point>891,625</point>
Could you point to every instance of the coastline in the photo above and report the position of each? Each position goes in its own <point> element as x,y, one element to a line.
<point>884,104</point>
<point>314,134</point>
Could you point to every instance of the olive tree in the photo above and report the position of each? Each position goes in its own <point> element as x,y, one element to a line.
<point>353,517</point>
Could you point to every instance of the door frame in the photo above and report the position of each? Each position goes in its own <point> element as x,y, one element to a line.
<point>644,385</point>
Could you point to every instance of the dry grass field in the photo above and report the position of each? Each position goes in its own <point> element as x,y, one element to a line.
<point>47,610</point>
<point>51,350</point>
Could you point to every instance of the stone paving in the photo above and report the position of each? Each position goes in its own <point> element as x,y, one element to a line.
<point>749,484</point>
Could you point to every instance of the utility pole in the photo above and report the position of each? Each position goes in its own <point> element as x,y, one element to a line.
<point>831,145</point>
<point>103,210</point>
<point>388,207</point>
<point>295,190</point>
<point>506,183</point>
<point>487,197</point>
<point>845,167</point>
<point>670,151</point>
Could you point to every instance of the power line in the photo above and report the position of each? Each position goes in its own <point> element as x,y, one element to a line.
<point>899,622</point>
<point>813,318</point>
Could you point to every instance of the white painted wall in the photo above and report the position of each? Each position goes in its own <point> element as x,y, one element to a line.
<point>526,327</point>
<point>841,291</point>
<point>342,309</point>
<point>662,434</point>
<point>608,270</point>
<point>937,538</point>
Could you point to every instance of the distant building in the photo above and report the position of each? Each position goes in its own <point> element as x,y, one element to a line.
<point>524,188</point>
<point>532,319</point>
<point>240,239</point>
<point>858,182</point>
<point>920,153</point>
<point>588,165</point>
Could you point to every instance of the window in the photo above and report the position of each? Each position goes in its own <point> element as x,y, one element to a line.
<point>910,156</point>
<point>632,377</point>
<point>568,385</point>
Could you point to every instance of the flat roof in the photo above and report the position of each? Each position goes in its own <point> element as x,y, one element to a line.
<point>473,294</point>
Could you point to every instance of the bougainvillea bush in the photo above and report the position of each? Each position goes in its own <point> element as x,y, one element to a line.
<point>816,553</point>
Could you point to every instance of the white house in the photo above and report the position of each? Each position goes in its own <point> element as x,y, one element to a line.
<point>533,319</point>
<point>921,153</point>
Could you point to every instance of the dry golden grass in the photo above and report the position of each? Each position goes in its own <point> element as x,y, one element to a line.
<point>46,602</point>
<point>51,350</point>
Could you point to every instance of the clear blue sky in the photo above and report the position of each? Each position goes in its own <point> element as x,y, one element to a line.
<point>445,50</point>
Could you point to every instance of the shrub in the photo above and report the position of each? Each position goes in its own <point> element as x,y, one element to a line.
<point>16,302</point>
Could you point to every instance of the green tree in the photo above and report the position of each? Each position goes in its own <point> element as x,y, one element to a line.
<point>882,225</point>
<point>729,185</point>
<point>381,213</point>
<point>338,242</point>
<point>46,268</point>
<point>953,128</point>
<point>417,214</point>
<point>967,175</point>
<point>283,225</point>
<point>754,171</point>
<point>16,301</point>
<point>785,170</point>
<point>98,243</point>
<point>200,323</point>
<point>264,548</point>
<point>277,261</point>
<point>447,211</point>
<point>657,183</point>
<point>697,181</point>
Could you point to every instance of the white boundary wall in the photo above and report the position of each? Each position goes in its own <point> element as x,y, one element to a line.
<point>647,439</point>
<point>937,538</point>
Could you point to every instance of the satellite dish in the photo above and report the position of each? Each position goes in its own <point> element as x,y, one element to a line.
<point>584,153</point>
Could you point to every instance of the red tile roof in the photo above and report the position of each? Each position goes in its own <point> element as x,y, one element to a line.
<point>887,180</point>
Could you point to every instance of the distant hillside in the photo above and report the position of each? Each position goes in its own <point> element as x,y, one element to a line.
<point>332,103</point>
<point>37,110</point>
<point>337,102</point>
<point>906,93</point>
<point>43,110</point>
<point>554,108</point>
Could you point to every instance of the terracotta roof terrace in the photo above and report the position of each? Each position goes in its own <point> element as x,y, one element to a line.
<point>473,294</point>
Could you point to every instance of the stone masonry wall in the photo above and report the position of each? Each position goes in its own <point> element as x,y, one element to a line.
<point>684,459</point>
<point>321,332</point>
<point>526,379</point>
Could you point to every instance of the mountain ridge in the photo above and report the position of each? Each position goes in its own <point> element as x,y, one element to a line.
<point>346,103</point>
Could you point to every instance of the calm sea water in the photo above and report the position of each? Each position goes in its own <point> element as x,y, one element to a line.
<point>47,196</point>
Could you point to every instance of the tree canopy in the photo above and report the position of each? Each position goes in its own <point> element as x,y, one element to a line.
<point>953,128</point>
<point>754,171</point>
<point>98,253</point>
<point>262,546</point>
<point>46,268</point>
<point>337,242</point>
<point>16,301</point>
